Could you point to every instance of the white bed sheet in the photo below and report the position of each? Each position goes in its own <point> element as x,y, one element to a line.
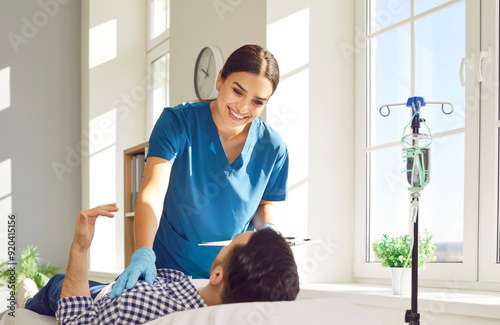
<point>299,312</point>
<point>27,317</point>
<point>308,311</point>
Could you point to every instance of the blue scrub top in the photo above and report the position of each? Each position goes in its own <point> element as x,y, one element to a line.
<point>209,199</point>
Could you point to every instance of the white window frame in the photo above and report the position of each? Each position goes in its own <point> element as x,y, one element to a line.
<point>489,271</point>
<point>153,55</point>
<point>464,274</point>
<point>152,43</point>
<point>155,48</point>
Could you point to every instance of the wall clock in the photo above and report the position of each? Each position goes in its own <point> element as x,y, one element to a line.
<point>206,70</point>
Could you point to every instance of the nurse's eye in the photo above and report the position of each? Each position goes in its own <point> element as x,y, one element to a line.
<point>237,91</point>
<point>258,102</point>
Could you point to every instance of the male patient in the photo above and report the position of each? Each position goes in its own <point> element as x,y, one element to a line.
<point>256,266</point>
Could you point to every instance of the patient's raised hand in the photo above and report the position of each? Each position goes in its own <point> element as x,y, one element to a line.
<point>85,225</point>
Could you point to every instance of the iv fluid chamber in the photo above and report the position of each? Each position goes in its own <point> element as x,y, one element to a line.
<point>416,159</point>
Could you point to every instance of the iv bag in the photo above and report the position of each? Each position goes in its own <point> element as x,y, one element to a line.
<point>416,154</point>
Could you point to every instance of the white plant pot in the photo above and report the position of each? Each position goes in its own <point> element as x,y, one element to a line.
<point>401,280</point>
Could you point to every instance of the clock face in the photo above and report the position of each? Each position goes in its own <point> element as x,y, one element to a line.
<point>207,67</point>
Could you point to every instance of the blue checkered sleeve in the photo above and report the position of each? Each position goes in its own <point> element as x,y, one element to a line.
<point>70,309</point>
<point>171,292</point>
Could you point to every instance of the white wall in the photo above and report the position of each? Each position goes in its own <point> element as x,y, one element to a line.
<point>317,121</point>
<point>114,89</point>
<point>39,121</point>
<point>199,23</point>
<point>313,109</point>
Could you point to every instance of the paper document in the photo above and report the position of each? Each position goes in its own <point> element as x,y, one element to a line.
<point>216,243</point>
<point>292,241</point>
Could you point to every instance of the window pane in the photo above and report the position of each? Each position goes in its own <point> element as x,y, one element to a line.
<point>160,17</point>
<point>441,202</point>
<point>159,91</point>
<point>389,84</point>
<point>384,13</point>
<point>498,203</point>
<point>439,48</point>
<point>424,5</point>
<point>388,195</point>
<point>498,189</point>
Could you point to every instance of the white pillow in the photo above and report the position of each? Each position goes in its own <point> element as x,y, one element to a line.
<point>299,312</point>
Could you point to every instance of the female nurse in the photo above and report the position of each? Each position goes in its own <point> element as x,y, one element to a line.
<point>213,170</point>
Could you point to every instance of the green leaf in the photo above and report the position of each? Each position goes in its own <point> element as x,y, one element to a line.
<point>29,267</point>
<point>394,251</point>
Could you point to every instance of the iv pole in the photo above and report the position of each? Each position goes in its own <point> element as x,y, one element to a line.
<point>417,178</point>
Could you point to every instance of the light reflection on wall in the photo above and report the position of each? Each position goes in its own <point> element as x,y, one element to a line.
<point>5,203</point>
<point>102,184</point>
<point>288,113</point>
<point>102,43</point>
<point>4,88</point>
<point>288,40</point>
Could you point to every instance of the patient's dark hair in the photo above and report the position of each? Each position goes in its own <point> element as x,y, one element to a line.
<point>262,270</point>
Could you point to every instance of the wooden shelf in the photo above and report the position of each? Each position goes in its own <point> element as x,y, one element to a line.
<point>129,244</point>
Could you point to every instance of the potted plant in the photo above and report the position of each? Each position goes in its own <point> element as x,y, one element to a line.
<point>29,267</point>
<point>394,252</point>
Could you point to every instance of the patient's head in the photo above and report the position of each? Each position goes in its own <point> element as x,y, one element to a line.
<point>258,266</point>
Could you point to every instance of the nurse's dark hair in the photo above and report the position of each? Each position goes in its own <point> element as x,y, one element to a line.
<point>262,270</point>
<point>254,59</point>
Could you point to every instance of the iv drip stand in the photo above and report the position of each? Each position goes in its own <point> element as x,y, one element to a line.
<point>412,316</point>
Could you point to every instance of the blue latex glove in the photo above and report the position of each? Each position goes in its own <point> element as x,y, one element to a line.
<point>142,264</point>
<point>271,226</point>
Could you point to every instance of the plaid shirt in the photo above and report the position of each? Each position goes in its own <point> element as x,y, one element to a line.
<point>172,291</point>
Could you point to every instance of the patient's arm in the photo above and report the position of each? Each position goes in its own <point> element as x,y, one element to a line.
<point>76,279</point>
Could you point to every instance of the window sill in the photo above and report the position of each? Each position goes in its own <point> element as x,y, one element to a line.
<point>435,300</point>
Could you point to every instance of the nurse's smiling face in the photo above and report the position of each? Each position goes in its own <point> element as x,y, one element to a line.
<point>242,97</point>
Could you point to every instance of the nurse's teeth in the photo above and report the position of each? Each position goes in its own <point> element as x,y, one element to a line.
<point>236,115</point>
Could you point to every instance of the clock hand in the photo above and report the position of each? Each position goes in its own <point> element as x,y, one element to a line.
<point>209,60</point>
<point>206,73</point>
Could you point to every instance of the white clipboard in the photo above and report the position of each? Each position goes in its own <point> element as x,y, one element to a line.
<point>292,241</point>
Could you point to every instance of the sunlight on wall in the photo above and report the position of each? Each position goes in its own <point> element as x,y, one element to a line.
<point>288,40</point>
<point>102,43</point>
<point>5,203</point>
<point>102,132</point>
<point>288,113</point>
<point>102,184</point>
<point>6,177</point>
<point>4,88</point>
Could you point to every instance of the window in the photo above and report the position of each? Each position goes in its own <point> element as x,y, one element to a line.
<point>489,231</point>
<point>158,22</point>
<point>157,64</point>
<point>416,48</point>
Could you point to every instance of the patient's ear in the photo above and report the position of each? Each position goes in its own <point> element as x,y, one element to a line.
<point>217,275</point>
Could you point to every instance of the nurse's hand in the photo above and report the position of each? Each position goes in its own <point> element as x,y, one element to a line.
<point>270,225</point>
<point>143,265</point>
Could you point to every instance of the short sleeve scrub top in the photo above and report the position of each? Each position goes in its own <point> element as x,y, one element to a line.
<point>209,199</point>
